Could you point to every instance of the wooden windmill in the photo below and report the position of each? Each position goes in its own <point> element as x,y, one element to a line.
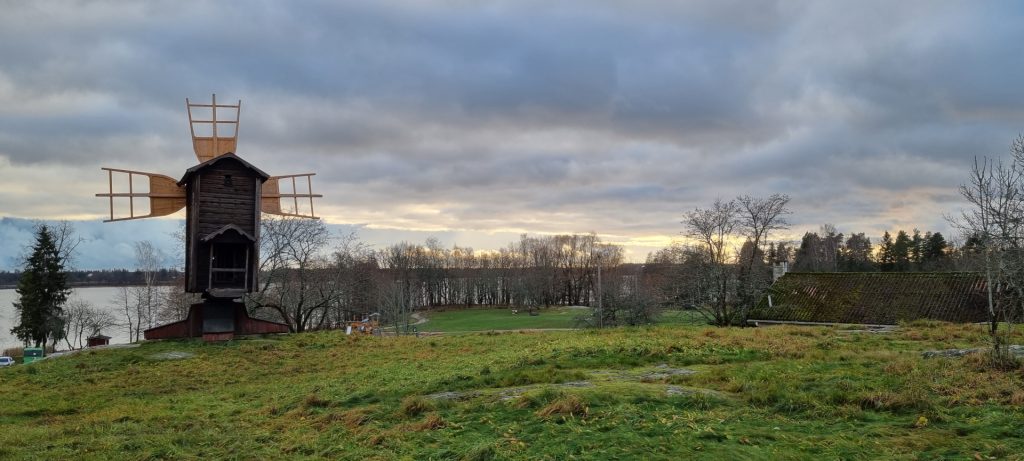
<point>224,197</point>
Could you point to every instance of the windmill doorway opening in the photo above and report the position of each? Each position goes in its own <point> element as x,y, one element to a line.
<point>228,265</point>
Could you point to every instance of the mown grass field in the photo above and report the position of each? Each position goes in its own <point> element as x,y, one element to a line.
<point>667,392</point>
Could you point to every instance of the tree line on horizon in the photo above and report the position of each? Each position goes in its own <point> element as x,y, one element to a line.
<point>831,251</point>
<point>353,279</point>
<point>311,279</point>
<point>101,277</point>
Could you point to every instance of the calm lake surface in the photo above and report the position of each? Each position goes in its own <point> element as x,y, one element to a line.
<point>99,297</point>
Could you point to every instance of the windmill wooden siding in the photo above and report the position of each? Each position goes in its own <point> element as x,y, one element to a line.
<point>224,203</point>
<point>880,298</point>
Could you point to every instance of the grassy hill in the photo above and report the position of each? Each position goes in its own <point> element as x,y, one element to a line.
<point>667,392</point>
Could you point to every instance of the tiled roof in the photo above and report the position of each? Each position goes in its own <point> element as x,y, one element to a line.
<point>880,298</point>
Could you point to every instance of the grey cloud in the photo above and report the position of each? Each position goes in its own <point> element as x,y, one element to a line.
<point>608,116</point>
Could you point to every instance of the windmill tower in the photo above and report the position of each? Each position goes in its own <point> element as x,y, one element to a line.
<point>224,197</point>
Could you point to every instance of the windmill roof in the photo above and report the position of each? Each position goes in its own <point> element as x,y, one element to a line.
<point>229,227</point>
<point>879,298</point>
<point>227,156</point>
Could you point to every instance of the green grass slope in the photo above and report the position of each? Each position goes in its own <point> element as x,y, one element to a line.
<point>671,392</point>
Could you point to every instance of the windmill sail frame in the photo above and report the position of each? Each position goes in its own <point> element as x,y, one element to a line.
<point>271,196</point>
<point>208,147</point>
<point>165,196</point>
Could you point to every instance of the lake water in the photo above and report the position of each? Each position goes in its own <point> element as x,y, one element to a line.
<point>99,297</point>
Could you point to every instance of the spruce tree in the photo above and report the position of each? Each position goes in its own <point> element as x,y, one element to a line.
<point>901,252</point>
<point>886,258</point>
<point>857,255</point>
<point>808,257</point>
<point>936,256</point>
<point>916,249</point>
<point>42,291</point>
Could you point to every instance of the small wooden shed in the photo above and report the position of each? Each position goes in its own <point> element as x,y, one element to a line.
<point>97,340</point>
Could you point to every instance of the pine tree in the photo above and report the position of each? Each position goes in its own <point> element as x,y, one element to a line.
<point>856,255</point>
<point>935,255</point>
<point>42,291</point>
<point>916,249</point>
<point>886,259</point>
<point>901,252</point>
<point>808,256</point>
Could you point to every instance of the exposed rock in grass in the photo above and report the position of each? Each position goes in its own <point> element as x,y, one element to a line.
<point>660,372</point>
<point>679,390</point>
<point>663,371</point>
<point>1015,350</point>
<point>512,393</point>
<point>576,384</point>
<point>172,355</point>
<point>452,395</point>
<point>676,390</point>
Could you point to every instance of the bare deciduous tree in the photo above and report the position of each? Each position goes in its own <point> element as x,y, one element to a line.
<point>712,228</point>
<point>995,192</point>
<point>400,290</point>
<point>148,261</point>
<point>129,302</point>
<point>732,280</point>
<point>759,216</point>
<point>297,283</point>
<point>82,320</point>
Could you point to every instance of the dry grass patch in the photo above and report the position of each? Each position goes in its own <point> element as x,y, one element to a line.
<point>433,421</point>
<point>415,405</point>
<point>569,405</point>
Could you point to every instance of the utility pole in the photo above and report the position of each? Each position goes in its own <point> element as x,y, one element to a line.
<point>600,309</point>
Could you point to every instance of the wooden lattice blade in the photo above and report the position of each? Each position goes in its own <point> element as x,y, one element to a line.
<point>219,119</point>
<point>207,148</point>
<point>165,196</point>
<point>274,201</point>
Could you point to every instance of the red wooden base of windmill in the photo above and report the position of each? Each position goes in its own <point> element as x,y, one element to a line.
<point>216,320</point>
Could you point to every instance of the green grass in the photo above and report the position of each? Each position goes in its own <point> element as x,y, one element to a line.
<point>681,317</point>
<point>488,319</point>
<point>484,319</point>
<point>768,393</point>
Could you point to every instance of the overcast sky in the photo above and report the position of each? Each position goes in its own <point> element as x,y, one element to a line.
<point>476,121</point>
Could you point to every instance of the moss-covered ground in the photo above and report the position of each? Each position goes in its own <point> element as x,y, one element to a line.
<point>666,392</point>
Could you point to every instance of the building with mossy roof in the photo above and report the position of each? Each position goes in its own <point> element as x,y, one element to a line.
<point>874,298</point>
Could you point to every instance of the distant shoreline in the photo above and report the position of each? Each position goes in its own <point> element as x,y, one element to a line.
<point>96,285</point>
